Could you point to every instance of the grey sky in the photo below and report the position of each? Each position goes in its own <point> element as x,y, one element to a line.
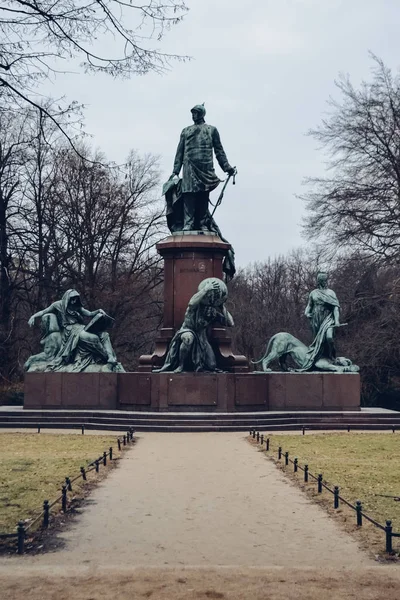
<point>265,69</point>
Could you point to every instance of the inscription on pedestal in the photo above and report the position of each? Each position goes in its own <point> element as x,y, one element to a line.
<point>188,260</point>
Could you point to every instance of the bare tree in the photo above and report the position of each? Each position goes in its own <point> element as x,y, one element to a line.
<point>358,205</point>
<point>91,225</point>
<point>270,297</point>
<point>13,147</point>
<point>75,220</point>
<point>35,35</point>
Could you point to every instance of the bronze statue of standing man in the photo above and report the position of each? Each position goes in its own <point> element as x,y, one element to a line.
<point>195,155</point>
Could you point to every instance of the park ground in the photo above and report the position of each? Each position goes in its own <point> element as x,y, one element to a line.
<point>206,516</point>
<point>364,465</point>
<point>202,584</point>
<point>33,468</point>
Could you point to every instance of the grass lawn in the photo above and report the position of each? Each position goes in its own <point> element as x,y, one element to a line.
<point>33,468</point>
<point>361,464</point>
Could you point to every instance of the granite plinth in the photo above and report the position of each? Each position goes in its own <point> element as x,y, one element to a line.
<point>219,392</point>
<point>71,390</point>
<point>190,257</point>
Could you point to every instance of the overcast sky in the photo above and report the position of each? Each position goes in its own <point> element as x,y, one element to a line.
<point>265,69</point>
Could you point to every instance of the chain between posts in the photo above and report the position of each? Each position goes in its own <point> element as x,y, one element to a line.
<point>44,515</point>
<point>337,498</point>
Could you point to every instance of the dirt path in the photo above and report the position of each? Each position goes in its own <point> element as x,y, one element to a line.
<point>206,499</point>
<point>200,516</point>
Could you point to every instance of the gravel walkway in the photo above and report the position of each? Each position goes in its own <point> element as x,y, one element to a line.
<point>206,499</point>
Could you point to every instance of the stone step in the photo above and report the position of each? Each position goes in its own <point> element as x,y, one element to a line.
<point>196,416</point>
<point>185,422</point>
<point>248,422</point>
<point>202,428</point>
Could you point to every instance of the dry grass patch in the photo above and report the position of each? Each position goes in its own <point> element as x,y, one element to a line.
<point>202,584</point>
<point>363,465</point>
<point>33,468</point>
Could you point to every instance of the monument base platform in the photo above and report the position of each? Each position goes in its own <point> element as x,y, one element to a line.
<point>211,392</point>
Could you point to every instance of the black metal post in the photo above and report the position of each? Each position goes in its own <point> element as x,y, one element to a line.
<point>96,464</point>
<point>254,433</point>
<point>21,537</point>
<point>38,428</point>
<point>267,445</point>
<point>295,464</point>
<point>305,473</point>
<point>128,436</point>
<point>64,499</point>
<point>348,428</point>
<point>279,453</point>
<point>46,513</point>
<point>111,452</point>
<point>68,484</point>
<point>104,458</point>
<point>286,458</point>
<point>304,430</point>
<point>83,473</point>
<point>320,483</point>
<point>258,437</point>
<point>119,444</point>
<point>336,497</point>
<point>393,429</point>
<point>83,429</point>
<point>388,530</point>
<point>359,513</point>
<point>262,439</point>
<point>124,440</point>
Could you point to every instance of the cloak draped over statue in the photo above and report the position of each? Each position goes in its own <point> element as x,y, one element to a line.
<point>320,308</point>
<point>70,345</point>
<point>187,199</point>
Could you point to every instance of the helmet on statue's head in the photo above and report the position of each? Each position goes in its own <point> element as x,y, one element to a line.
<point>200,109</point>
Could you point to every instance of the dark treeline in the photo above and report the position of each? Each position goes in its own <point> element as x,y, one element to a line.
<point>270,297</point>
<point>74,220</point>
<point>70,218</point>
<point>353,219</point>
<point>67,216</point>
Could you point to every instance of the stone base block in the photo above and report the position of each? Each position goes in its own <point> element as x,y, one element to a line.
<point>314,391</point>
<point>71,390</point>
<point>214,392</point>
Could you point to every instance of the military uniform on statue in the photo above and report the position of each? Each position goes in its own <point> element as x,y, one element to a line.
<point>195,155</point>
<point>188,199</point>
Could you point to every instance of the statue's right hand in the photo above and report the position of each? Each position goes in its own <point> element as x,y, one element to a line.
<point>31,321</point>
<point>172,176</point>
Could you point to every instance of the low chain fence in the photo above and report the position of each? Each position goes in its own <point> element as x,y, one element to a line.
<point>323,485</point>
<point>43,517</point>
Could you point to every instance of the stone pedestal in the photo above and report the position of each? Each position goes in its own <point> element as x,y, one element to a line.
<point>189,258</point>
<point>189,392</point>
